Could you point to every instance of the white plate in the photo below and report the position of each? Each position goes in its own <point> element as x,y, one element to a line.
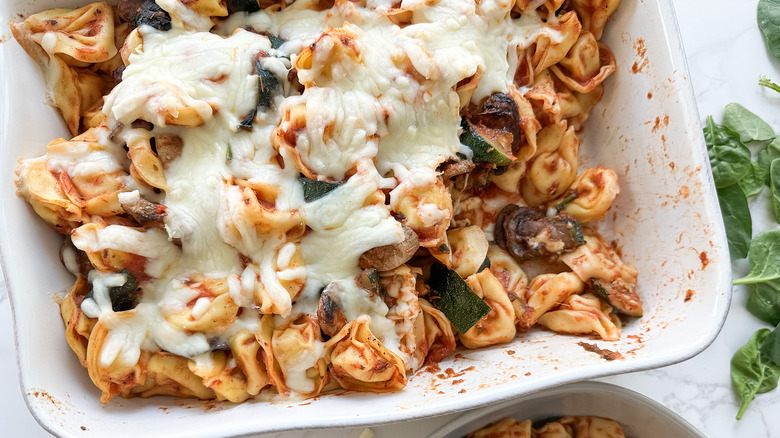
<point>639,416</point>
<point>666,219</point>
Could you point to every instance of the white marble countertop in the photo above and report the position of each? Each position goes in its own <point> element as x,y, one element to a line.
<point>726,55</point>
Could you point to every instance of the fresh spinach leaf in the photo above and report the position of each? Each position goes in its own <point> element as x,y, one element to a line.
<point>736,219</point>
<point>768,154</point>
<point>751,372</point>
<point>768,17</point>
<point>764,301</point>
<point>774,185</point>
<point>771,347</point>
<point>766,82</point>
<point>764,258</point>
<point>753,181</point>
<point>749,126</point>
<point>729,158</point>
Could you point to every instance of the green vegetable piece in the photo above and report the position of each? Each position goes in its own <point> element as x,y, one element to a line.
<point>313,189</point>
<point>771,348</point>
<point>618,296</point>
<point>368,279</point>
<point>751,372</point>
<point>768,17</point>
<point>766,82</point>
<point>276,42</point>
<point>267,86</point>
<point>753,181</point>
<point>764,258</point>
<point>749,126</point>
<point>764,301</point>
<point>124,297</point>
<point>242,5</point>
<point>561,205</point>
<point>229,154</point>
<point>769,154</point>
<point>485,148</point>
<point>774,185</point>
<point>576,231</point>
<point>453,296</point>
<point>729,158</point>
<point>736,219</point>
<point>485,265</point>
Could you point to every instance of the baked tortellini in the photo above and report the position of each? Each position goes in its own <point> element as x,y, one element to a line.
<point>568,426</point>
<point>281,199</point>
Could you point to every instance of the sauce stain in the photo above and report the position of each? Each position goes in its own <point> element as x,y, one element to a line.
<point>641,52</point>
<point>703,259</point>
<point>689,295</point>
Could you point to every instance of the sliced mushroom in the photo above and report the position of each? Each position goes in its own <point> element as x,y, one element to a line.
<point>385,258</point>
<point>168,147</point>
<point>140,12</point>
<point>528,234</point>
<point>142,210</point>
<point>453,168</point>
<point>329,314</point>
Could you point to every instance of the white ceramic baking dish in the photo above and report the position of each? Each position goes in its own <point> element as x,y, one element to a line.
<point>638,416</point>
<point>666,219</point>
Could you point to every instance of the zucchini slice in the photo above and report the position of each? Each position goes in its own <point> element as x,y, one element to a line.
<point>493,133</point>
<point>313,189</point>
<point>456,300</point>
<point>622,297</point>
<point>485,265</point>
<point>487,145</point>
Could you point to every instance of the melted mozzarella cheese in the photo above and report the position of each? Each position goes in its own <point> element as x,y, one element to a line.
<point>382,120</point>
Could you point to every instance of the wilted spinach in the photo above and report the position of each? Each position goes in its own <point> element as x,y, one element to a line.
<point>736,219</point>
<point>752,372</point>
<point>729,158</point>
<point>768,17</point>
<point>749,126</point>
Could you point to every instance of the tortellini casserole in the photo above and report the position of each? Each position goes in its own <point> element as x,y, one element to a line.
<point>265,197</point>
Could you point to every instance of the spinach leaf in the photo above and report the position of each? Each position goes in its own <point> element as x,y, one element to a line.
<point>768,17</point>
<point>314,189</point>
<point>766,82</point>
<point>753,181</point>
<point>774,184</point>
<point>729,158</point>
<point>749,126</point>
<point>768,154</point>
<point>764,301</point>
<point>764,258</point>
<point>751,372</point>
<point>771,348</point>
<point>736,219</point>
